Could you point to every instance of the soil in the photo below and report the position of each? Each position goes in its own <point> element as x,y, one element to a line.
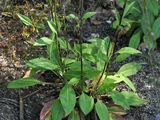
<point>14,51</point>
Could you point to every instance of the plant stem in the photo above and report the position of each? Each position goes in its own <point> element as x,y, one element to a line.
<point>121,17</point>
<point>81,41</point>
<point>105,65</point>
<point>56,38</point>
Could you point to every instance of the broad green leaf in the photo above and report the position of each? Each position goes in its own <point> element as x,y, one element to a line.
<point>122,57</point>
<point>88,15</point>
<point>128,50</point>
<point>156,28</point>
<point>23,83</point>
<point>135,40</point>
<point>74,81</point>
<point>102,110</point>
<point>86,103</point>
<point>43,41</point>
<point>119,78</point>
<point>57,110</point>
<point>51,24</point>
<point>42,63</point>
<point>107,86</point>
<point>127,99</point>
<point>129,69</point>
<point>88,70</point>
<point>68,99</point>
<point>26,20</point>
<point>133,99</point>
<point>74,115</point>
<point>119,99</point>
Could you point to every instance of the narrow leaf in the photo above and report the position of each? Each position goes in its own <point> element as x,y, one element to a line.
<point>129,83</point>
<point>52,26</point>
<point>128,50</point>
<point>43,41</point>
<point>88,15</point>
<point>135,40</point>
<point>25,19</point>
<point>23,83</point>
<point>128,7</point>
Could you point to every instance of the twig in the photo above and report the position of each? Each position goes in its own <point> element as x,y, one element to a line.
<point>21,107</point>
<point>33,93</point>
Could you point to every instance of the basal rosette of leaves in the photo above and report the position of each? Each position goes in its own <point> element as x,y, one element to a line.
<point>96,92</point>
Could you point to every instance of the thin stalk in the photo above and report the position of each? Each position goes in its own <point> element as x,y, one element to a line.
<point>81,41</point>
<point>105,65</point>
<point>121,17</point>
<point>56,37</point>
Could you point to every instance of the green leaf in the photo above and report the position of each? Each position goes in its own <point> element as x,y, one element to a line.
<point>127,99</point>
<point>121,57</point>
<point>52,25</point>
<point>88,15</point>
<point>25,19</point>
<point>107,86</point>
<point>43,41</point>
<point>42,63</point>
<point>128,82</point>
<point>74,115</point>
<point>71,17</point>
<point>128,50</point>
<point>68,99</point>
<point>129,69</point>
<point>23,83</point>
<point>119,78</point>
<point>57,110</point>
<point>53,53</point>
<point>135,40</point>
<point>119,99</point>
<point>153,6</point>
<point>156,28</point>
<point>74,81</point>
<point>86,103</point>
<point>102,110</point>
<point>128,7</point>
<point>133,99</point>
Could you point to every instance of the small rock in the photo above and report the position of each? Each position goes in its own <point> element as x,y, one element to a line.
<point>158,116</point>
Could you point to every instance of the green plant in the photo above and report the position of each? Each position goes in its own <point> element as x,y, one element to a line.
<point>141,19</point>
<point>88,85</point>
